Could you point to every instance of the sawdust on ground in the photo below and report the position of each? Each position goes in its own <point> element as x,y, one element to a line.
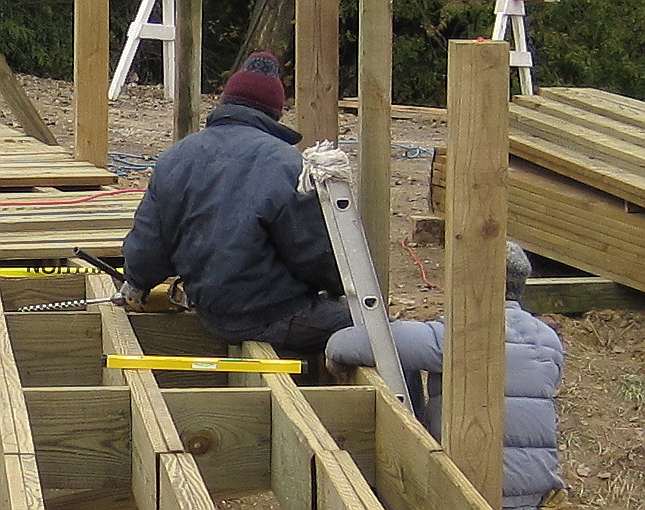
<point>601,401</point>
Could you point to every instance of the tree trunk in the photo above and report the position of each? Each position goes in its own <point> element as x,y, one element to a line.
<point>270,28</point>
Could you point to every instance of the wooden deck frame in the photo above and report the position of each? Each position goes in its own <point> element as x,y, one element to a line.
<point>316,447</point>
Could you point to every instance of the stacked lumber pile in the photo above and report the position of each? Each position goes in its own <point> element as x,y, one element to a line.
<point>26,162</point>
<point>578,158</point>
<point>31,229</point>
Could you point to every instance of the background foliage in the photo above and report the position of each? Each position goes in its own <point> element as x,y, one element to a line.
<point>599,43</point>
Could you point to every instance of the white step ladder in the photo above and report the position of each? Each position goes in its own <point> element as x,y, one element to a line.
<point>520,56</point>
<point>141,29</point>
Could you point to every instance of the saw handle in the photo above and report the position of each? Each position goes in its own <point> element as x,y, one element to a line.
<point>99,264</point>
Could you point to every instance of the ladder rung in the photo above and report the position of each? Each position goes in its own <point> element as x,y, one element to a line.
<point>521,59</point>
<point>510,7</point>
<point>157,31</point>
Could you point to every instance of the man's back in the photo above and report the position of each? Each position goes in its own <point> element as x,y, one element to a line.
<point>223,207</point>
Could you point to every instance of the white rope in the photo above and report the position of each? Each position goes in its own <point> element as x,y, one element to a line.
<point>322,162</point>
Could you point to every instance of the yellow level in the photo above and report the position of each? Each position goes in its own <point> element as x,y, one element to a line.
<point>249,365</point>
<point>43,272</point>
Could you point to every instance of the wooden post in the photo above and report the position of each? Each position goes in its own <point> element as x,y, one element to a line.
<point>91,70</point>
<point>375,99</point>
<point>476,208</point>
<point>188,70</point>
<point>317,70</point>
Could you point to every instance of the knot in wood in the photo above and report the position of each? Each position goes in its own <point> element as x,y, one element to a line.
<point>198,443</point>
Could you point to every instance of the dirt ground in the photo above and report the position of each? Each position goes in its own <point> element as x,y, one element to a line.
<point>601,401</point>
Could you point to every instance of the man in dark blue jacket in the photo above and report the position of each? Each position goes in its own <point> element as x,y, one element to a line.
<point>222,212</point>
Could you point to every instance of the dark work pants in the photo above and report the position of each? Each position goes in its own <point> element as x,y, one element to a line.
<point>305,331</point>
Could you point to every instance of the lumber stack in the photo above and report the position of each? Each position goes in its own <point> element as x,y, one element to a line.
<point>574,167</point>
<point>31,229</point>
<point>26,162</point>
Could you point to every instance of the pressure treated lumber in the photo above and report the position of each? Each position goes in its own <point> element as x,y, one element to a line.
<point>180,484</point>
<point>188,67</point>
<point>229,432</point>
<point>412,470</point>
<point>476,212</point>
<point>175,335</point>
<point>153,431</point>
<point>57,348</point>
<point>54,176</point>
<point>19,483</point>
<point>616,107</point>
<point>26,145</point>
<point>91,68</point>
<point>19,479</point>
<point>578,295</point>
<point>569,222</point>
<point>81,436</point>
<point>17,292</point>
<point>20,105</point>
<point>307,467</point>
<point>580,116</point>
<point>402,111</point>
<point>375,100</point>
<point>15,434</point>
<point>317,70</point>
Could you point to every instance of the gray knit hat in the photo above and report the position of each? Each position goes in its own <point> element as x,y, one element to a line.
<point>518,269</point>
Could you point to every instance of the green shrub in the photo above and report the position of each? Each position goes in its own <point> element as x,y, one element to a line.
<point>596,43</point>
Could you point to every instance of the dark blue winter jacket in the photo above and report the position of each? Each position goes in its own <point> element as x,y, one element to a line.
<point>222,212</point>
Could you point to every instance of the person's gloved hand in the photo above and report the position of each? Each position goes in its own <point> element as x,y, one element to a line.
<point>134,297</point>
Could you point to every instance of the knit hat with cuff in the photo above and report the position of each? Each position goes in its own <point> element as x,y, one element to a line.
<point>257,85</point>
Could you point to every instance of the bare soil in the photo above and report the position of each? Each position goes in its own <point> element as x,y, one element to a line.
<point>601,401</point>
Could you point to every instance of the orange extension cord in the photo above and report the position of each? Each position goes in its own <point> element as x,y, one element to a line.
<point>419,263</point>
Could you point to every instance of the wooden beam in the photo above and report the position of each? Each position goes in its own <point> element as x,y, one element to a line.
<point>188,67</point>
<point>579,295</point>
<point>91,68</point>
<point>228,430</point>
<point>17,292</point>
<point>348,413</point>
<point>81,435</point>
<point>305,468</point>
<point>412,471</point>
<point>180,484</point>
<point>317,70</point>
<point>19,483</point>
<point>401,111</point>
<point>474,364</point>
<point>178,335</point>
<point>93,499</point>
<point>153,431</point>
<point>57,348</point>
<point>21,106</point>
<point>375,96</point>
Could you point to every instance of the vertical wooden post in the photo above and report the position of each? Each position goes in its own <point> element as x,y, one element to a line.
<point>317,70</point>
<point>476,208</point>
<point>91,80</point>
<point>188,70</point>
<point>375,100</point>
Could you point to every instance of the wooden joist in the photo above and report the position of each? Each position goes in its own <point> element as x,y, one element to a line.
<point>20,487</point>
<point>153,431</point>
<point>308,468</point>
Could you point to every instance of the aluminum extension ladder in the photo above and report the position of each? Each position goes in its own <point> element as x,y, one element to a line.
<point>360,281</point>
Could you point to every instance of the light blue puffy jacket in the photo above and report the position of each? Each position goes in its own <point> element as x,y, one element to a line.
<point>534,363</point>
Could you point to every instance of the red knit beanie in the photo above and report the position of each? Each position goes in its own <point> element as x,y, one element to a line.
<point>257,85</point>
